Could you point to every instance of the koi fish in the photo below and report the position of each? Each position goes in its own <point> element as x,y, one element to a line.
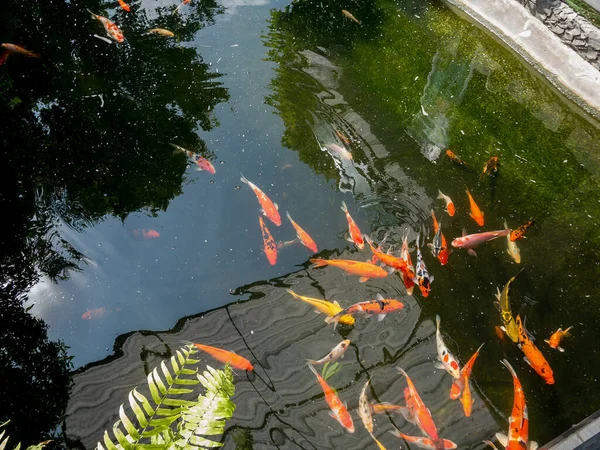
<point>499,332</point>
<point>554,340</point>
<point>503,306</point>
<point>441,244</point>
<point>533,356</point>
<point>4,56</point>
<point>449,203</point>
<point>190,154</point>
<point>389,260</point>
<point>325,307</point>
<point>306,240</point>
<point>204,165</point>
<point>124,5</point>
<point>466,399</point>
<point>344,139</point>
<point>355,235</point>
<point>446,361</point>
<point>365,270</point>
<point>336,353</point>
<point>455,159</point>
<point>17,50</point>
<point>458,385</point>
<point>418,414</point>
<point>162,32</point>
<point>146,234</point>
<point>470,241</point>
<point>268,208</point>
<point>111,29</point>
<point>226,357</point>
<point>423,442</point>
<point>96,313</point>
<point>518,423</point>
<point>349,15</point>
<point>382,408</point>
<point>379,307</point>
<point>408,281</point>
<point>519,232</point>
<point>490,167</point>
<point>269,243</point>
<point>512,249</point>
<point>184,2</point>
<point>338,411</point>
<point>338,150</point>
<point>475,213</point>
<point>364,408</point>
<point>423,279</point>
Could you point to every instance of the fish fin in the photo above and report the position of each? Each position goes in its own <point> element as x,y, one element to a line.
<point>430,245</point>
<point>440,195</point>
<point>311,361</point>
<point>464,231</point>
<point>408,416</point>
<point>527,361</point>
<point>276,206</point>
<point>349,239</point>
<point>431,278</point>
<point>287,214</point>
<point>332,415</point>
<point>336,303</point>
<point>318,262</point>
<point>547,341</point>
<point>439,365</point>
<point>566,332</point>
<point>410,290</point>
<point>497,305</point>
<point>380,317</point>
<point>490,444</point>
<point>363,279</point>
<point>502,438</point>
<point>317,311</point>
<point>391,270</point>
<point>243,179</point>
<point>472,252</point>
<point>379,297</point>
<point>344,207</point>
<point>198,169</point>
<point>560,349</point>
<point>532,445</point>
<point>438,320</point>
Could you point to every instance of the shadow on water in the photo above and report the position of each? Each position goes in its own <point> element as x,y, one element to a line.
<point>84,134</point>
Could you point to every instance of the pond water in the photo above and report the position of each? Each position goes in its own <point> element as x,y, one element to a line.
<point>110,232</point>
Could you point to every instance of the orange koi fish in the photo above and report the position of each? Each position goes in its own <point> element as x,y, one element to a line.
<point>204,165</point>
<point>268,208</point>
<point>490,167</point>
<point>336,353</point>
<point>440,245</point>
<point>449,203</point>
<point>461,386</point>
<point>418,414</point>
<point>455,159</point>
<point>533,356</point>
<point>365,270</point>
<point>124,5</point>
<point>338,411</point>
<point>408,278</point>
<point>355,235</point>
<point>446,360</point>
<point>423,278</point>
<point>349,15</point>
<point>17,50</point>
<point>339,151</point>
<point>379,307</point>
<point>269,243</point>
<point>322,306</point>
<point>391,261</point>
<point>184,2</point>
<point>512,248</point>
<point>96,313</point>
<point>518,423</point>
<point>423,442</point>
<point>554,340</point>
<point>306,240</point>
<point>162,32</point>
<point>475,213</point>
<point>111,29</point>
<point>519,232</point>
<point>344,139</point>
<point>236,361</point>
<point>146,234</point>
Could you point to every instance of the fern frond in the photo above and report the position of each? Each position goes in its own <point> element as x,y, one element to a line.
<point>207,417</point>
<point>155,416</point>
<point>4,442</point>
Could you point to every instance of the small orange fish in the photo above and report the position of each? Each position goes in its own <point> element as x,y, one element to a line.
<point>268,208</point>
<point>519,232</point>
<point>408,281</point>
<point>111,29</point>
<point>236,361</point>
<point>382,408</point>
<point>339,411</point>
<point>96,313</point>
<point>355,235</point>
<point>554,340</point>
<point>499,333</point>
<point>449,203</point>
<point>475,213</point>
<point>349,15</point>
<point>423,442</point>
<point>146,234</point>
<point>389,260</point>
<point>365,270</point>
<point>465,374</point>
<point>18,50</point>
<point>455,158</point>
<point>490,167</point>
<point>269,243</point>
<point>344,139</point>
<point>379,307</point>
<point>124,5</point>
<point>304,237</point>
<point>533,356</point>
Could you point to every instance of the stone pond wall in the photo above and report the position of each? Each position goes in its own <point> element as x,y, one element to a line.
<point>574,30</point>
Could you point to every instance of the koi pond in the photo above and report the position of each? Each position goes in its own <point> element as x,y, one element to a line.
<point>117,250</point>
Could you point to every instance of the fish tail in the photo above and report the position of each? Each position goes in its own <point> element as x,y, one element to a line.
<point>318,262</point>
<point>566,332</point>
<point>312,369</point>
<point>402,371</point>
<point>438,320</point>
<point>311,362</point>
<point>177,148</point>
<point>288,216</point>
<point>396,432</point>
<point>243,179</point>
<point>94,16</point>
<point>292,293</point>
<point>344,207</point>
<point>509,367</point>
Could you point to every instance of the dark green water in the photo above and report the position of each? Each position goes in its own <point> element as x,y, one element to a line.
<point>253,87</point>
